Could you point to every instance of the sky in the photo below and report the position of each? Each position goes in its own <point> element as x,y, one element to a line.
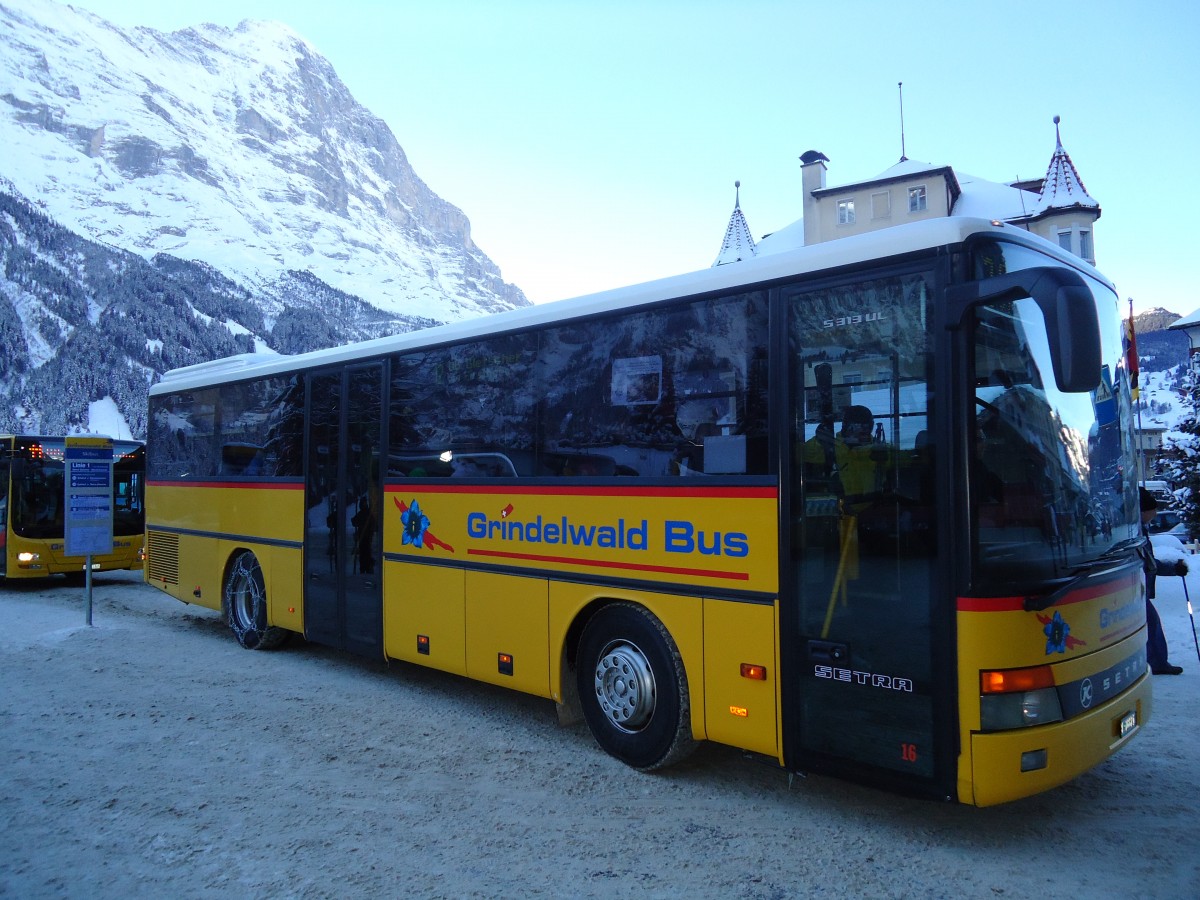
<point>596,144</point>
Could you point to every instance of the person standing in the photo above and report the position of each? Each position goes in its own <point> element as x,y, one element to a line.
<point>1156,640</point>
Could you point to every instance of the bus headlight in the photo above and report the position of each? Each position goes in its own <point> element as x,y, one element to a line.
<point>27,559</point>
<point>1000,712</point>
<point>1018,698</point>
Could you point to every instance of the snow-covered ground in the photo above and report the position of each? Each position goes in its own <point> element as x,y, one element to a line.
<point>149,755</point>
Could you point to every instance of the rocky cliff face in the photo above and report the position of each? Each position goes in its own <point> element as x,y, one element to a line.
<point>170,198</point>
<point>1157,319</point>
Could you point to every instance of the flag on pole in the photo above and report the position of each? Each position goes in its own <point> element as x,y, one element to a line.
<point>1131,354</point>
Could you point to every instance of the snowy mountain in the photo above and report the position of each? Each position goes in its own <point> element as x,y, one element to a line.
<point>169,198</point>
<point>241,149</point>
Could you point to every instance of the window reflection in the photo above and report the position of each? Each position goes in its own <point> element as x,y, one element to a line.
<point>1048,471</point>
<point>671,392</point>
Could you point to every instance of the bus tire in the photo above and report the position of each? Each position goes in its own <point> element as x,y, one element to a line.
<point>244,600</point>
<point>633,688</point>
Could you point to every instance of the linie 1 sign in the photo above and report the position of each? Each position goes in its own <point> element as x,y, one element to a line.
<point>88,502</point>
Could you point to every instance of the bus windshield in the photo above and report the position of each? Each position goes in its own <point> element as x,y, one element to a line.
<point>37,488</point>
<point>1051,475</point>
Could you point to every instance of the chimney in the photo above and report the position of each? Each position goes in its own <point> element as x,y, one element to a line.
<point>812,178</point>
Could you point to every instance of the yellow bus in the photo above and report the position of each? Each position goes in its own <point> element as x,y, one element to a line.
<point>866,508</point>
<point>31,508</point>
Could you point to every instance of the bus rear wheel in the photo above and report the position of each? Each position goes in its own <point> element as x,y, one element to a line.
<point>244,599</point>
<point>633,688</point>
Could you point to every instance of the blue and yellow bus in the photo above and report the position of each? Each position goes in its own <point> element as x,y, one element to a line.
<point>32,494</point>
<point>866,508</point>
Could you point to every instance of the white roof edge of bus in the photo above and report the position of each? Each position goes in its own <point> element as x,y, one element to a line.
<point>62,437</point>
<point>874,245</point>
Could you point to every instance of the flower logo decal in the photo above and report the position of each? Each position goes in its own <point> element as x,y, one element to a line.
<point>1058,634</point>
<point>416,524</point>
<point>415,527</point>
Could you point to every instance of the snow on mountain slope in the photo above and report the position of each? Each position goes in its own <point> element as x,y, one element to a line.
<point>241,149</point>
<point>1163,403</point>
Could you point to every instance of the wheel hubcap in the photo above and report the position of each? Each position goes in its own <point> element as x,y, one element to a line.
<point>625,686</point>
<point>245,598</point>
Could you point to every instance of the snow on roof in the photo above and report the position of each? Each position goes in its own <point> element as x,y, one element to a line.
<point>988,199</point>
<point>1063,188</point>
<point>739,242</point>
<point>789,237</point>
<point>907,167</point>
<point>1190,320</point>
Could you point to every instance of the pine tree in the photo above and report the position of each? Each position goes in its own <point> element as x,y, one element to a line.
<point>1184,471</point>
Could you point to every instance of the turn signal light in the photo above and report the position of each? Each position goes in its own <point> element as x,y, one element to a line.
<point>1010,681</point>
<point>754,672</point>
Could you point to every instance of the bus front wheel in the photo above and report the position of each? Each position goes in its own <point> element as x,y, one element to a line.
<point>245,603</point>
<point>633,688</point>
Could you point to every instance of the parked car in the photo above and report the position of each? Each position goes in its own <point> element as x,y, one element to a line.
<point>1165,520</point>
<point>1183,531</point>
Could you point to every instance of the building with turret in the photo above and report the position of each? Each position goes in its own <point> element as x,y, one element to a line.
<point>1057,206</point>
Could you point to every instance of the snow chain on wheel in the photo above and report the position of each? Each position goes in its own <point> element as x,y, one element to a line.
<point>244,599</point>
<point>633,688</point>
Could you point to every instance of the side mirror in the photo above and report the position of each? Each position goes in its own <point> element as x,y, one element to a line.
<point>1069,310</point>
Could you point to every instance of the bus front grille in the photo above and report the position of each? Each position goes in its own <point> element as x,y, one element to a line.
<point>163,563</point>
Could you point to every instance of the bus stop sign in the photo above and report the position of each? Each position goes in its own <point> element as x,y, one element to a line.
<point>89,502</point>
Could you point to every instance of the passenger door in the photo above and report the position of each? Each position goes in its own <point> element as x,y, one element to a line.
<point>859,588</point>
<point>343,600</point>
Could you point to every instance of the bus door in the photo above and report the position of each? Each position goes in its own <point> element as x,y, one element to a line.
<point>343,595</point>
<point>858,581</point>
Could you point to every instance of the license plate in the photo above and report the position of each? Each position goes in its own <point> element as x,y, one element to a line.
<point>1128,723</point>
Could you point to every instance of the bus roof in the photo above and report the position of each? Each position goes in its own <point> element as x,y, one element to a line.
<point>877,245</point>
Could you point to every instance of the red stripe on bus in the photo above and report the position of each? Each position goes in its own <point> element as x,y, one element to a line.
<point>991,604</point>
<point>1017,604</point>
<point>612,564</point>
<point>740,493</point>
<point>252,485</point>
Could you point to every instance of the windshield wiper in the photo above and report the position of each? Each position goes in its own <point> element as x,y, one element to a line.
<point>1121,547</point>
<point>1045,601</point>
<point>1103,562</point>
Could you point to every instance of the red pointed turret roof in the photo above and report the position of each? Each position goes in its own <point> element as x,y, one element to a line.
<point>738,243</point>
